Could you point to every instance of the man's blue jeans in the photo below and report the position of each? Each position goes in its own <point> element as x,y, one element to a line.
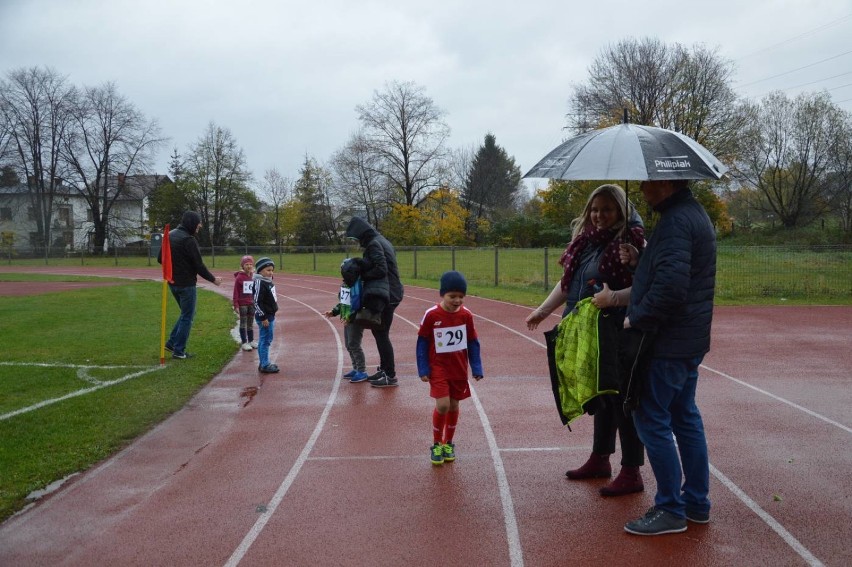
<point>185,297</point>
<point>666,407</point>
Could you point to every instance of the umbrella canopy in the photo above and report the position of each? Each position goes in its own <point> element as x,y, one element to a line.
<point>629,152</point>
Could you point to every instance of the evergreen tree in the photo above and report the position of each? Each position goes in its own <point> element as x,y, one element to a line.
<point>316,223</point>
<point>491,186</point>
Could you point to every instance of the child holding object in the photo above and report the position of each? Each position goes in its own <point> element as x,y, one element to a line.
<point>349,302</point>
<point>244,301</point>
<point>446,343</point>
<point>265,307</point>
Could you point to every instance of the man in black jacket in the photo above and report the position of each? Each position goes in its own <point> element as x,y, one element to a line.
<point>672,300</point>
<point>186,266</point>
<point>383,272</point>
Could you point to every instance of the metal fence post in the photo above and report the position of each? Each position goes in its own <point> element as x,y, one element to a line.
<point>453,251</point>
<point>496,267</point>
<point>415,262</point>
<point>546,274</point>
<point>314,249</point>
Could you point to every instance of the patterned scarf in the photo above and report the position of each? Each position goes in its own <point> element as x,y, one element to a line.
<point>614,273</point>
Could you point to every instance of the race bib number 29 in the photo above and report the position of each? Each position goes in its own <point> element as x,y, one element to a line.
<point>450,339</point>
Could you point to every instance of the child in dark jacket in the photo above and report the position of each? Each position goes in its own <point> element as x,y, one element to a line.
<point>348,304</point>
<point>244,302</point>
<point>265,307</point>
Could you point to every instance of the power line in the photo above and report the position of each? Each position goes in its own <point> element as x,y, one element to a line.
<point>818,81</point>
<point>797,69</point>
<point>807,33</point>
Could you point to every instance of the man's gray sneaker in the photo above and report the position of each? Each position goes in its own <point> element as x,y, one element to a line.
<point>656,522</point>
<point>697,517</point>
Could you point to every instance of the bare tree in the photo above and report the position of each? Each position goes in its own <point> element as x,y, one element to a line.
<point>276,189</point>
<point>668,86</point>
<point>839,186</point>
<point>111,139</point>
<point>788,151</point>
<point>404,129</point>
<point>216,176</point>
<point>36,106</point>
<point>359,184</point>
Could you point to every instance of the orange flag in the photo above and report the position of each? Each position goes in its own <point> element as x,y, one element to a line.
<point>167,256</point>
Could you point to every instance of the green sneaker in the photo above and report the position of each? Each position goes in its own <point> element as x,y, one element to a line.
<point>437,454</point>
<point>449,452</point>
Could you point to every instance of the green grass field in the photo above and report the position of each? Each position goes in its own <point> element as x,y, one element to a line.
<point>102,341</point>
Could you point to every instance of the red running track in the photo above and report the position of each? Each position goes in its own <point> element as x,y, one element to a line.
<point>313,470</point>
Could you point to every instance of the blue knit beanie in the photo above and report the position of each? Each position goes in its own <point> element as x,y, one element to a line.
<point>453,281</point>
<point>262,263</point>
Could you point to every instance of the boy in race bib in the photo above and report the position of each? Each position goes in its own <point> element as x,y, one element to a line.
<point>446,343</point>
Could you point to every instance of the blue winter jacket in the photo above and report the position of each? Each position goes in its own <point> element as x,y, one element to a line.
<point>673,285</point>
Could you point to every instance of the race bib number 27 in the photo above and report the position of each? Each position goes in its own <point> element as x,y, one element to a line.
<point>450,339</point>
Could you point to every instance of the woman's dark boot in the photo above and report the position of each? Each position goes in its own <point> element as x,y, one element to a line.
<point>628,481</point>
<point>596,467</point>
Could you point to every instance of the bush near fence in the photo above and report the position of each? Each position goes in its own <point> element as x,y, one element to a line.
<point>744,273</point>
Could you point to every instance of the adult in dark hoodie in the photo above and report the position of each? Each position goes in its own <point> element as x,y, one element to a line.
<point>187,265</point>
<point>382,271</point>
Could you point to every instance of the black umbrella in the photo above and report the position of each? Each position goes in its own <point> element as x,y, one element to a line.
<point>629,152</point>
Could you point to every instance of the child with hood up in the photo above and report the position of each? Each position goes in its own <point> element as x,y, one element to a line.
<point>244,301</point>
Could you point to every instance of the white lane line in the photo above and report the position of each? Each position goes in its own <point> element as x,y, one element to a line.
<point>265,516</point>
<point>780,399</point>
<point>769,520</point>
<point>516,555</point>
<point>82,392</point>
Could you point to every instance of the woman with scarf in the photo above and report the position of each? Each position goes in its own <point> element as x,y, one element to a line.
<point>593,267</point>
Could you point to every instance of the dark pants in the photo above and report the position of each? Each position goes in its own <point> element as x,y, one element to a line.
<point>185,297</point>
<point>609,420</point>
<point>383,342</point>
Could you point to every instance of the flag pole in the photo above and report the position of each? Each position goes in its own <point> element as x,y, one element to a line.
<point>166,261</point>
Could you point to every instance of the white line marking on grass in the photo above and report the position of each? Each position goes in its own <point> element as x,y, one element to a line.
<point>264,518</point>
<point>83,391</point>
<point>769,520</point>
<point>782,400</point>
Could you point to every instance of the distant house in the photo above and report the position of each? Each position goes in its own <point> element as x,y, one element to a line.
<point>71,226</point>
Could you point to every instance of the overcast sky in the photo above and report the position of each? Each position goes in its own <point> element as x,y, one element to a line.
<point>285,76</point>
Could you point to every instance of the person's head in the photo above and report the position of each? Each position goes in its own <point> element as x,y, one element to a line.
<point>247,264</point>
<point>604,210</point>
<point>453,289</point>
<point>191,221</point>
<point>265,267</point>
<point>359,229</point>
<point>658,190</point>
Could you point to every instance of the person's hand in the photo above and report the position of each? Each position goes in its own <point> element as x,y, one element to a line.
<point>628,254</point>
<point>534,318</point>
<point>627,322</point>
<point>604,298</point>
<point>328,314</point>
<point>424,378</point>
<point>478,378</point>
<point>265,323</point>
<point>217,281</point>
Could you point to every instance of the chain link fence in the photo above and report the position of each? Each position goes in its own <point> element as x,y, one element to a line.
<point>743,272</point>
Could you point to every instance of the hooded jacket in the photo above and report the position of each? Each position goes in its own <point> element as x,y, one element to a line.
<point>243,290</point>
<point>186,255</point>
<point>674,282</point>
<point>381,271</point>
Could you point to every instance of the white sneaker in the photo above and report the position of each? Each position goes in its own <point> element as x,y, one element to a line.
<point>254,344</point>
<point>246,346</point>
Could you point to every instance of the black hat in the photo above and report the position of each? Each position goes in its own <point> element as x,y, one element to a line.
<point>453,281</point>
<point>262,263</point>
